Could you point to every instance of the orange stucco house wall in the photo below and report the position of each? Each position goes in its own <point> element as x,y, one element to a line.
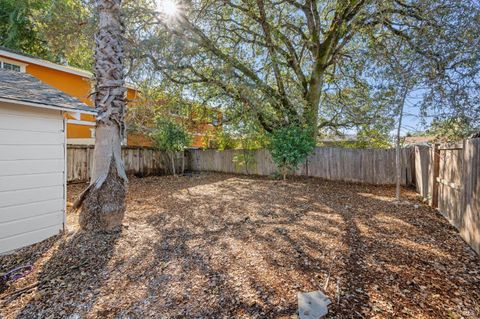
<point>199,132</point>
<point>73,81</point>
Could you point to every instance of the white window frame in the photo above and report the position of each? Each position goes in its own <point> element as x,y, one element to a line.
<point>23,66</point>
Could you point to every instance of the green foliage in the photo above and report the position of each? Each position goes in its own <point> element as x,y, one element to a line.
<point>17,29</point>
<point>170,136</point>
<point>245,159</point>
<point>373,137</point>
<point>450,129</point>
<point>368,136</point>
<point>289,146</point>
<point>253,139</point>
<point>225,140</point>
<point>67,28</point>
<point>58,31</point>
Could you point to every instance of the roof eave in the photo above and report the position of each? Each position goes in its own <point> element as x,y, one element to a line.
<point>47,106</point>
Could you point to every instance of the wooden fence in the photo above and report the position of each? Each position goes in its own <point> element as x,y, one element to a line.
<point>139,161</point>
<point>352,165</point>
<point>448,177</point>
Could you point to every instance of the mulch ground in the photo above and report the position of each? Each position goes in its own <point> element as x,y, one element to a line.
<point>226,246</point>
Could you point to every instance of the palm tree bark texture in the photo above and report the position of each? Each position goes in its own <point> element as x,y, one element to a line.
<point>103,202</point>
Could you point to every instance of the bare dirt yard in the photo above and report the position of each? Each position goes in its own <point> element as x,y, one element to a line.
<point>226,246</point>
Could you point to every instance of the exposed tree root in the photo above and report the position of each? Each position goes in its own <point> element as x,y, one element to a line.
<point>103,208</point>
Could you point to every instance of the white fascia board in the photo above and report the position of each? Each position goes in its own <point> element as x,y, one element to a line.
<point>80,141</point>
<point>76,115</point>
<point>78,122</point>
<point>131,86</point>
<point>46,106</point>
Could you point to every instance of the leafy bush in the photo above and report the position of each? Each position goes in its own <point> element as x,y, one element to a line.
<point>171,137</point>
<point>249,142</point>
<point>289,146</point>
<point>245,159</point>
<point>225,140</point>
<point>451,129</point>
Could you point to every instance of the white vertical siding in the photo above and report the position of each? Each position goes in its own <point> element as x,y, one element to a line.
<point>32,175</point>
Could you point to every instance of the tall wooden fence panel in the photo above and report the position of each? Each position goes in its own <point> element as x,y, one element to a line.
<point>449,181</point>
<point>448,176</point>
<point>470,225</point>
<point>79,163</point>
<point>372,166</point>
<point>422,168</point>
<point>137,160</point>
<point>353,165</point>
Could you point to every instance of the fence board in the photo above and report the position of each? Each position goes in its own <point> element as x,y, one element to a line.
<point>457,183</point>
<point>470,225</point>
<point>353,165</point>
<point>450,183</point>
<point>422,169</point>
<point>138,161</point>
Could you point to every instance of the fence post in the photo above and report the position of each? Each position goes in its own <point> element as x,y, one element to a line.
<point>434,175</point>
<point>413,172</point>
<point>464,178</point>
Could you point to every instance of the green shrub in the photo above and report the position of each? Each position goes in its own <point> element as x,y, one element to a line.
<point>290,146</point>
<point>245,159</point>
<point>171,137</point>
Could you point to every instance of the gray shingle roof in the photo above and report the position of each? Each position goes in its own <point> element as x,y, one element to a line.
<point>18,86</point>
<point>15,51</point>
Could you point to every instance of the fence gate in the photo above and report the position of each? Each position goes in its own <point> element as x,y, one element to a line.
<point>450,181</point>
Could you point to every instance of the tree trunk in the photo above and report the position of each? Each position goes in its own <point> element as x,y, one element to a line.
<point>183,162</point>
<point>398,163</point>
<point>103,202</point>
<point>173,162</point>
<point>283,170</point>
<point>246,160</point>
<point>313,102</point>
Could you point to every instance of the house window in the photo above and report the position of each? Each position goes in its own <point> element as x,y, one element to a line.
<point>10,66</point>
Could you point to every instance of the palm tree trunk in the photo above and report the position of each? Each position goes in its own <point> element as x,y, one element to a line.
<point>103,202</point>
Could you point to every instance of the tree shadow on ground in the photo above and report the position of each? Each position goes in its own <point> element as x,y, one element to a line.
<point>75,271</point>
<point>23,257</point>
<point>226,246</point>
<point>378,254</point>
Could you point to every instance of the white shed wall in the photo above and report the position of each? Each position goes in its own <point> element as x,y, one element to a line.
<point>32,175</point>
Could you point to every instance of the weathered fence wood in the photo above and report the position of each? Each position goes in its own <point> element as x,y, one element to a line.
<point>449,174</point>
<point>433,200</point>
<point>137,160</point>
<point>470,218</point>
<point>422,169</point>
<point>352,165</point>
